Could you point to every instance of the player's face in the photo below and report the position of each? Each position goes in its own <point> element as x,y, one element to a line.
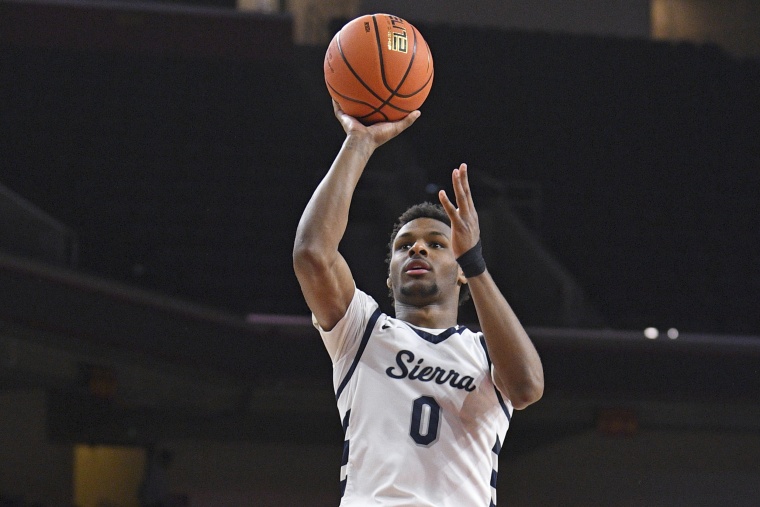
<point>423,266</point>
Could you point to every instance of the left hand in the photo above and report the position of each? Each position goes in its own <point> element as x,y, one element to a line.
<point>465,228</point>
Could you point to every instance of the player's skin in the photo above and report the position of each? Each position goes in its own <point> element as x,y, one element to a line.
<point>424,274</point>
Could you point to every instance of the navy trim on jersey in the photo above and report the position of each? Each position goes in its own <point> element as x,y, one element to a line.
<point>485,349</point>
<point>435,339</point>
<point>362,346</point>
<point>496,447</point>
<point>503,405</point>
<point>344,458</point>
<point>498,393</point>
<point>344,462</point>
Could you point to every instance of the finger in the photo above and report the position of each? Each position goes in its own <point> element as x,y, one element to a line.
<point>407,121</point>
<point>344,119</point>
<point>399,125</point>
<point>459,191</point>
<point>464,195</point>
<point>448,206</point>
<point>385,131</point>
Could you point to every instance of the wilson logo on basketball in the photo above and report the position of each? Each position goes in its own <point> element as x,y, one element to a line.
<point>397,40</point>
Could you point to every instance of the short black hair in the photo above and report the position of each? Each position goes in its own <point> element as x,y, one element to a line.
<point>422,210</point>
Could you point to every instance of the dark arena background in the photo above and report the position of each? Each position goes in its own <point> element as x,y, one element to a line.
<point>155,160</point>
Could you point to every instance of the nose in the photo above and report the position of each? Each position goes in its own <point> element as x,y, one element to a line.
<point>418,248</point>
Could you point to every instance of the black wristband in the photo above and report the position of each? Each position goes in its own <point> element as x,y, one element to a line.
<point>472,261</point>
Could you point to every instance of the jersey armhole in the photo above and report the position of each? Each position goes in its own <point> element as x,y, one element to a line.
<point>344,337</point>
<point>503,399</point>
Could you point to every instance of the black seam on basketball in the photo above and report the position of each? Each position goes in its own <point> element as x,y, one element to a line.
<point>382,75</point>
<point>345,60</point>
<point>383,103</point>
<point>394,93</point>
<point>379,52</point>
<point>415,92</point>
<point>357,101</point>
<point>406,72</point>
<point>406,96</point>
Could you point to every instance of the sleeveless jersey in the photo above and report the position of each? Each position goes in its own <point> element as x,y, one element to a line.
<point>422,418</point>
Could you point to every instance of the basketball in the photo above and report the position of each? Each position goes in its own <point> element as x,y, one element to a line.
<point>378,68</point>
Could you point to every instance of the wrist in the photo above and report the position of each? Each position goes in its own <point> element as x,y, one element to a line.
<point>472,261</point>
<point>360,143</point>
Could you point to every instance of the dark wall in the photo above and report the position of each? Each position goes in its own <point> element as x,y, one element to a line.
<point>647,154</point>
<point>188,175</point>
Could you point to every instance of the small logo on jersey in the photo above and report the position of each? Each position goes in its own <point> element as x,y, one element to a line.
<point>397,40</point>
<point>424,373</point>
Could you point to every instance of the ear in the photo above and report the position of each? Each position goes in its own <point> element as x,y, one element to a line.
<point>461,279</point>
<point>388,282</point>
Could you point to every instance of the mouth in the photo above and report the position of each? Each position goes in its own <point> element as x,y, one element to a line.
<point>416,268</point>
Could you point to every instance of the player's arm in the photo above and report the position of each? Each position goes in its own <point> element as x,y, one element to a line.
<point>322,272</point>
<point>518,372</point>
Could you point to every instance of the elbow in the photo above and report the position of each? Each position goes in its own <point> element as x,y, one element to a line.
<point>525,393</point>
<point>304,257</point>
<point>307,258</point>
<point>301,254</point>
<point>527,397</point>
<point>304,248</point>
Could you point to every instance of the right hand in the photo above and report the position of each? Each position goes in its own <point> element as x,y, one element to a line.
<point>377,134</point>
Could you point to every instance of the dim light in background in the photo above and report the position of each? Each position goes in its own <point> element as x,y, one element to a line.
<point>106,475</point>
<point>734,25</point>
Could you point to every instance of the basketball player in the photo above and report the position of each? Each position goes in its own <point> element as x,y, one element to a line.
<point>425,402</point>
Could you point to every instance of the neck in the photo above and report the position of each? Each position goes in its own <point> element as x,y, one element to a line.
<point>431,316</point>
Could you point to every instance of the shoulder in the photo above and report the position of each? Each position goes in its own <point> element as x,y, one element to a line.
<point>362,313</point>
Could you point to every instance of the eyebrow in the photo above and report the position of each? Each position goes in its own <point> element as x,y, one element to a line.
<point>429,233</point>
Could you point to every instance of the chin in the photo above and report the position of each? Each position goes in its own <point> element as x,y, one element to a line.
<point>417,291</point>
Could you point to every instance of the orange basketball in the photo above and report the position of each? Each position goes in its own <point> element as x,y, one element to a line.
<point>378,68</point>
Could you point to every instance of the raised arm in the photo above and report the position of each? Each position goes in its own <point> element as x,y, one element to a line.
<point>322,272</point>
<point>518,372</point>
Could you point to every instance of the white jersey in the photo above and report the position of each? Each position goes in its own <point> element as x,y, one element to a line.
<point>422,418</point>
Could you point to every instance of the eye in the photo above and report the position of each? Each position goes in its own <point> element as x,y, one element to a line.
<point>435,244</point>
<point>404,246</point>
